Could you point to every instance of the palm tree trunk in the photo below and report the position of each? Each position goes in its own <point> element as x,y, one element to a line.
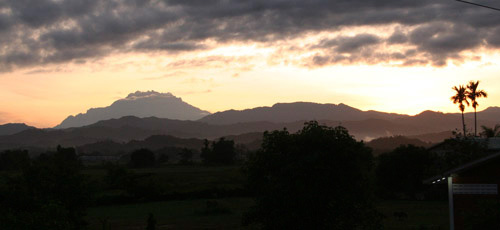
<point>463,122</point>
<point>475,123</point>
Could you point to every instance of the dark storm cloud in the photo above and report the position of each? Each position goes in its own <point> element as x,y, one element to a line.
<point>54,31</point>
<point>397,37</point>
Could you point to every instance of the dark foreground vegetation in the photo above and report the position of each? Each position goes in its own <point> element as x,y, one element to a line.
<point>317,178</point>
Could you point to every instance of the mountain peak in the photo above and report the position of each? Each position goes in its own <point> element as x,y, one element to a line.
<point>146,94</point>
<point>12,128</point>
<point>139,104</point>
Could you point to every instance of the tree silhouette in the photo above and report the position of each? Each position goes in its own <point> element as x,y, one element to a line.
<point>142,158</point>
<point>460,98</point>
<point>14,159</point>
<point>473,94</point>
<point>49,194</point>
<point>491,132</point>
<point>400,173</point>
<point>186,156</point>
<point>318,178</point>
<point>220,152</point>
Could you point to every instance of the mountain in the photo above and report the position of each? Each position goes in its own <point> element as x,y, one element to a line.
<point>12,128</point>
<point>130,128</point>
<point>139,104</point>
<point>297,111</point>
<point>433,137</point>
<point>154,142</point>
<point>246,126</point>
<point>490,113</point>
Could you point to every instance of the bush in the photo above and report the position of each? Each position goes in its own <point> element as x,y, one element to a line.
<point>142,158</point>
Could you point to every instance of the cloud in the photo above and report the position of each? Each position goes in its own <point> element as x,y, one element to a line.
<point>216,61</point>
<point>34,33</point>
<point>167,75</point>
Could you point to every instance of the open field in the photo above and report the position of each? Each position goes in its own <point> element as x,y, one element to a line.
<point>193,211</point>
<point>186,178</point>
<point>421,215</point>
<point>193,214</point>
<point>183,214</point>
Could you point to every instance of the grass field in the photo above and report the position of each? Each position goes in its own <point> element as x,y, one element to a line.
<point>185,214</point>
<point>182,178</point>
<point>193,214</point>
<point>421,215</point>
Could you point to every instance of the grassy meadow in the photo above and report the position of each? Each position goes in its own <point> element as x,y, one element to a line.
<point>197,213</point>
<point>193,214</point>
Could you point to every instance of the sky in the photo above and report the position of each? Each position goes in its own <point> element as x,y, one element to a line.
<point>62,57</point>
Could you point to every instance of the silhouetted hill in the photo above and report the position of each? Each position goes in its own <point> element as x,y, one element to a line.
<point>490,114</point>
<point>49,138</point>
<point>297,111</point>
<point>387,144</point>
<point>139,104</point>
<point>368,124</point>
<point>252,141</point>
<point>130,128</point>
<point>133,128</point>
<point>192,129</point>
<point>433,137</point>
<point>155,142</point>
<point>12,128</point>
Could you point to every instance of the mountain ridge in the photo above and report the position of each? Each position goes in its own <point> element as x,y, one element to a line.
<point>134,128</point>
<point>13,128</point>
<point>295,111</point>
<point>140,104</point>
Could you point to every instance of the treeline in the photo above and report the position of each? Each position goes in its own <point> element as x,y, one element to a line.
<point>400,173</point>
<point>49,193</point>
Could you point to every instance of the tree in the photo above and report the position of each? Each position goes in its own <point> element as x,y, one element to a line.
<point>50,193</point>
<point>317,178</point>
<point>221,151</point>
<point>460,98</point>
<point>186,156</point>
<point>400,173</point>
<point>491,132</point>
<point>14,159</point>
<point>459,151</point>
<point>473,94</point>
<point>163,158</point>
<point>142,158</point>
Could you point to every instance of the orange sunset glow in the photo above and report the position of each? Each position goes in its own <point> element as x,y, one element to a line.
<point>230,57</point>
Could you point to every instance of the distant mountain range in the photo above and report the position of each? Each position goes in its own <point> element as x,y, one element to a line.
<point>133,128</point>
<point>12,128</point>
<point>139,104</point>
<point>290,112</point>
<point>164,114</point>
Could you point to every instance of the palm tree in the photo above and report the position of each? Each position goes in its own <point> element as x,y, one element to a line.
<point>460,98</point>
<point>491,132</point>
<point>473,94</point>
